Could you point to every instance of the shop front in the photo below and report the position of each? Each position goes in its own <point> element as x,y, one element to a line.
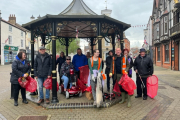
<point>10,53</point>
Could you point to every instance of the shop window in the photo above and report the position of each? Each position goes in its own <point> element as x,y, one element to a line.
<point>158,53</point>
<point>21,43</point>
<point>10,39</point>
<point>166,53</point>
<point>10,28</point>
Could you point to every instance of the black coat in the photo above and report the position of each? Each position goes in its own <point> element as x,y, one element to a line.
<point>108,64</point>
<point>144,66</point>
<point>60,61</point>
<point>43,69</point>
<point>18,70</point>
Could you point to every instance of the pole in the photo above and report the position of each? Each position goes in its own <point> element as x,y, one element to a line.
<point>122,40</point>
<point>113,42</point>
<point>67,41</point>
<point>99,40</point>
<point>54,72</point>
<point>92,45</point>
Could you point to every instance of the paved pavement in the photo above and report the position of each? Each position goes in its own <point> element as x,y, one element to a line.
<point>165,106</point>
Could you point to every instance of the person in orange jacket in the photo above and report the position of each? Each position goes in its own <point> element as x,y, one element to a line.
<point>120,65</point>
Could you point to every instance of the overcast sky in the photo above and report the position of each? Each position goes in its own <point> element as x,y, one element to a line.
<point>134,12</point>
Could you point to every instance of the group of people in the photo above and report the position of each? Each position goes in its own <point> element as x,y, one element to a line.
<point>116,66</point>
<point>121,63</point>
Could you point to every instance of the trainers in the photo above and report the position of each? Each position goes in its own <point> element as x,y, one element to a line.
<point>47,101</point>
<point>40,101</point>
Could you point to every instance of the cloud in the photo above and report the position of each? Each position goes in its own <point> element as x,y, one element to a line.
<point>134,12</point>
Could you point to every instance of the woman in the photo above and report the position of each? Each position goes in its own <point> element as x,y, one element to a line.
<point>95,66</point>
<point>65,70</point>
<point>108,67</point>
<point>126,53</point>
<point>20,68</point>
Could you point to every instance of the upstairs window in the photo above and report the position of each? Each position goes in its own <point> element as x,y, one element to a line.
<point>10,28</point>
<point>165,25</point>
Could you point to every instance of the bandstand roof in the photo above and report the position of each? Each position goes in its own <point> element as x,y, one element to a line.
<point>77,16</point>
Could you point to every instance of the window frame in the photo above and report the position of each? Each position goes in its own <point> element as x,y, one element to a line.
<point>159,52</point>
<point>165,25</point>
<point>10,39</point>
<point>10,28</point>
<point>22,33</point>
<point>22,43</point>
<point>166,52</point>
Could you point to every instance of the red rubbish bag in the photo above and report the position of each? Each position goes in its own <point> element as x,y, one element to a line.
<point>81,85</point>
<point>89,89</point>
<point>127,84</point>
<point>116,88</point>
<point>23,83</point>
<point>32,85</point>
<point>48,83</point>
<point>152,86</point>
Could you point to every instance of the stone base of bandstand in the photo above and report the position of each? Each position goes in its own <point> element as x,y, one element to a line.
<point>73,102</point>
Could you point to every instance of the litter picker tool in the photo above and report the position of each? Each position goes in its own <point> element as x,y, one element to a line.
<point>141,81</point>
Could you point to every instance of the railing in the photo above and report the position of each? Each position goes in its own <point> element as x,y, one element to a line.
<point>175,29</point>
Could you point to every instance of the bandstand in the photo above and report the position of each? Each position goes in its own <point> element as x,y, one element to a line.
<point>79,19</point>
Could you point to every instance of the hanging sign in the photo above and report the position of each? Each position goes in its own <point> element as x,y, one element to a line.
<point>10,48</point>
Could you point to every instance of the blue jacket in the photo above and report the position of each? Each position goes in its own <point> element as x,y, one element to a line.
<point>60,61</point>
<point>79,61</point>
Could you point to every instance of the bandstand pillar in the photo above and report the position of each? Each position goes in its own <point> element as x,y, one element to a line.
<point>92,45</point>
<point>99,40</point>
<point>54,72</point>
<point>113,42</point>
<point>122,41</point>
<point>67,45</point>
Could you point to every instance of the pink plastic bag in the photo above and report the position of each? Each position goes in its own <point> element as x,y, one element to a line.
<point>152,86</point>
<point>127,84</point>
<point>32,85</point>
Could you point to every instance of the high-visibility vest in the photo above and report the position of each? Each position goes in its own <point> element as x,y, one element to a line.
<point>123,65</point>
<point>99,65</point>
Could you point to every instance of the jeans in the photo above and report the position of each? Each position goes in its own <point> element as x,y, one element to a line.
<point>17,87</point>
<point>40,84</point>
<point>66,81</point>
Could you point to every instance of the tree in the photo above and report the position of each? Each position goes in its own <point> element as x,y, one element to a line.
<point>61,48</point>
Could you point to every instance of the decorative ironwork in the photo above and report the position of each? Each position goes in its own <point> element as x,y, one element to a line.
<point>64,42</point>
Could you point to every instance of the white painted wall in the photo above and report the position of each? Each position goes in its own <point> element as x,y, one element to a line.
<point>16,38</point>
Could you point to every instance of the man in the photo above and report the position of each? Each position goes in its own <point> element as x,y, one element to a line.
<point>108,67</point>
<point>143,66</point>
<point>79,60</point>
<point>88,55</point>
<point>42,71</point>
<point>60,61</point>
<point>120,66</point>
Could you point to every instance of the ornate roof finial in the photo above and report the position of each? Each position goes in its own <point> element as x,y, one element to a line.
<point>106,3</point>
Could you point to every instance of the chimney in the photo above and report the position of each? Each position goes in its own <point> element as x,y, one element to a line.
<point>32,18</point>
<point>38,17</point>
<point>12,19</point>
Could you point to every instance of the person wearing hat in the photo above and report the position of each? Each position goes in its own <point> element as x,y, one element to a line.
<point>143,66</point>
<point>108,67</point>
<point>42,71</point>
